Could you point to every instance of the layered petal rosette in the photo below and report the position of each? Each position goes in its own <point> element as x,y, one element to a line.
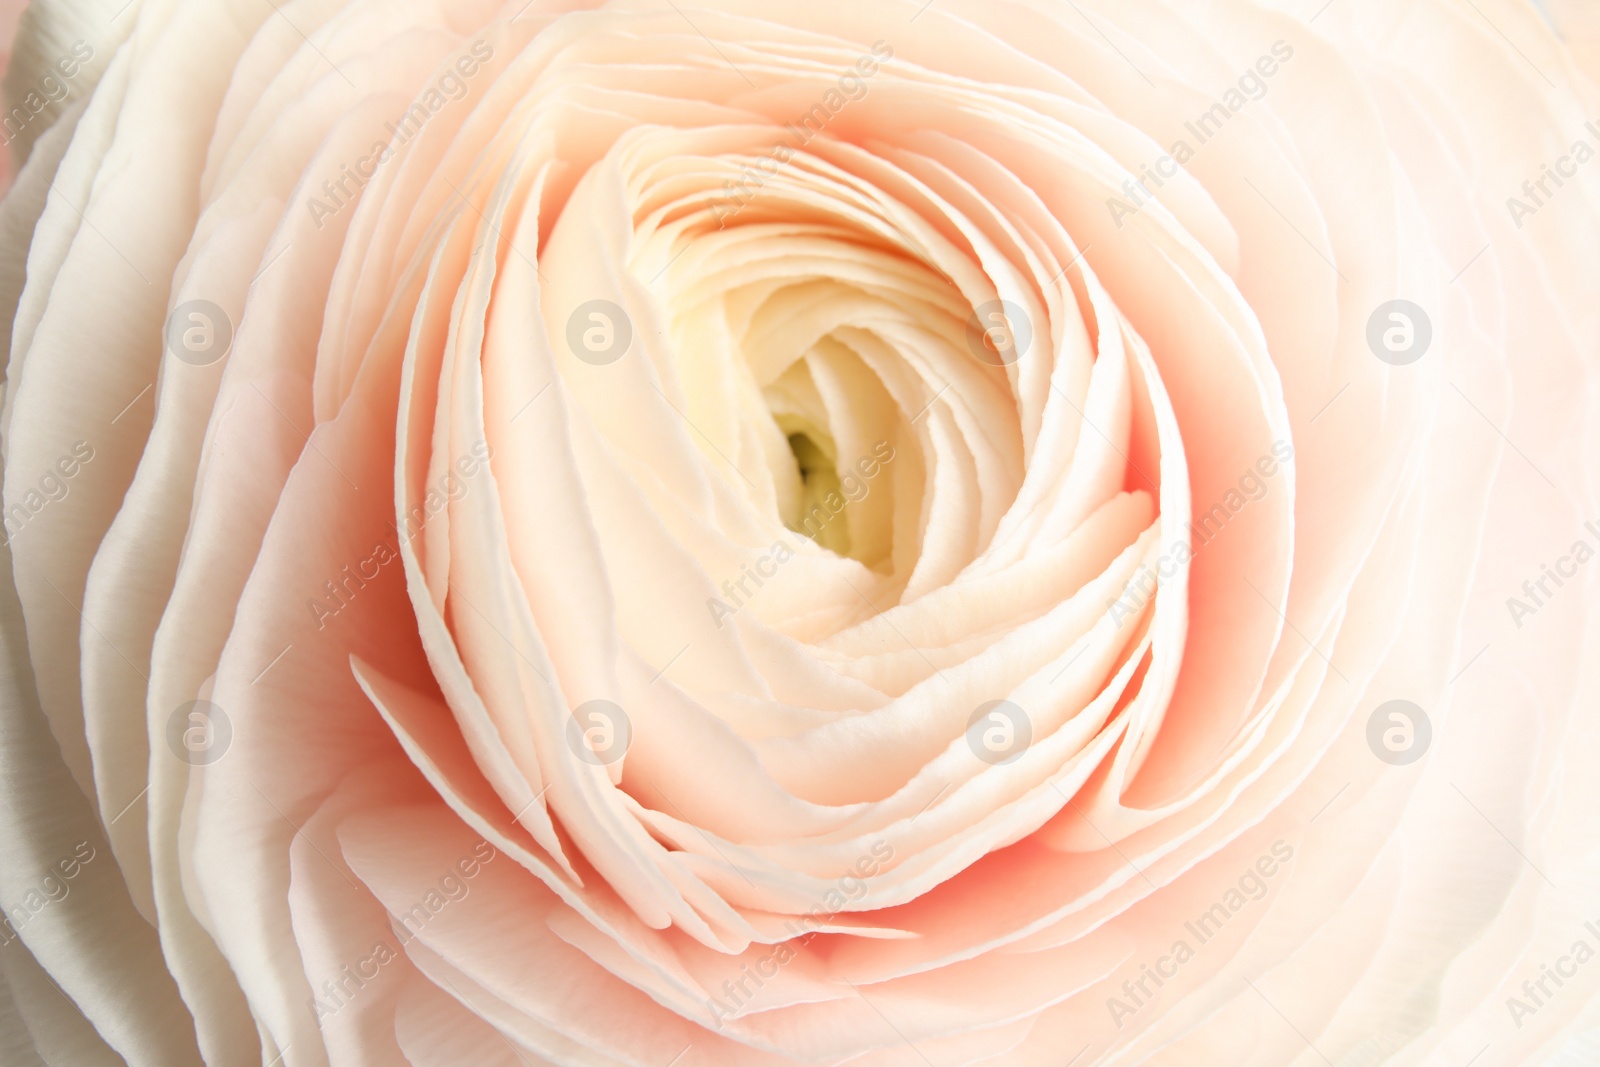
<point>749,534</point>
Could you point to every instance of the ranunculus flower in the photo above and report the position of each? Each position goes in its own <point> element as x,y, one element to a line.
<point>756,533</point>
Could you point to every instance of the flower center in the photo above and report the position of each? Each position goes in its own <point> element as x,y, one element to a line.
<point>820,487</point>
